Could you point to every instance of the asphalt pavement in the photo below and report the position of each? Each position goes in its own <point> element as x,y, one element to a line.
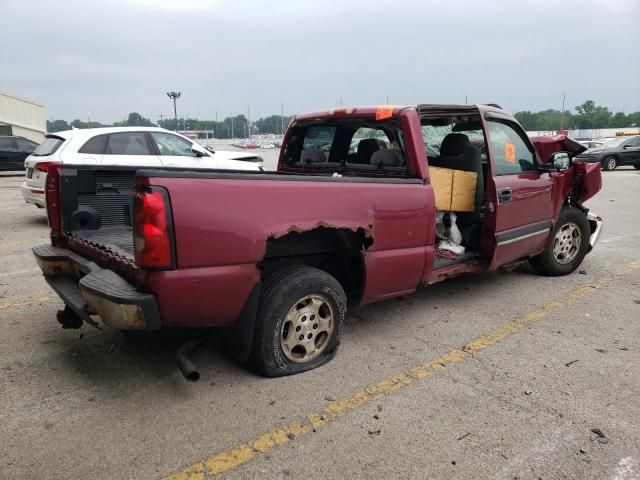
<point>506,376</point>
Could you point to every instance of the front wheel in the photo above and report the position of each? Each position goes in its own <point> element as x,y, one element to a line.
<point>299,324</point>
<point>636,166</point>
<point>568,246</point>
<point>610,163</point>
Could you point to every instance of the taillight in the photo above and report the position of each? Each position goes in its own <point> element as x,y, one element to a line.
<point>152,229</point>
<point>44,166</point>
<point>52,197</point>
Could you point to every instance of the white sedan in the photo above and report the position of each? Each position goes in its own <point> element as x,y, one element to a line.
<point>123,146</point>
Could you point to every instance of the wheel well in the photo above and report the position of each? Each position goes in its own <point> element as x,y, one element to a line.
<point>337,251</point>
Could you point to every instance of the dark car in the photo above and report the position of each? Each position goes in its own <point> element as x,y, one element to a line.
<point>615,152</point>
<point>13,152</point>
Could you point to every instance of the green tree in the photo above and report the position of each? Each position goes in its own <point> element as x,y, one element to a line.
<point>57,126</point>
<point>136,120</point>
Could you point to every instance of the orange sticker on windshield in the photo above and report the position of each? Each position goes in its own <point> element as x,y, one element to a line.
<point>510,153</point>
<point>384,112</point>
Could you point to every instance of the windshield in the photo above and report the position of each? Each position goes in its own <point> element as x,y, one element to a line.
<point>48,146</point>
<point>434,135</point>
<point>612,142</point>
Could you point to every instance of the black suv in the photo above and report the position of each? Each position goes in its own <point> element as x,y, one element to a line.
<point>13,151</point>
<point>615,152</point>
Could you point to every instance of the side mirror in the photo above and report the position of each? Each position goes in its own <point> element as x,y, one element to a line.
<point>560,161</point>
<point>198,150</point>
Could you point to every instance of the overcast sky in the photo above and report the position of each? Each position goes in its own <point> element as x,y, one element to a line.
<point>104,58</point>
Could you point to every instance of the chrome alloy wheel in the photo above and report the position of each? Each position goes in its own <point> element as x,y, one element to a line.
<point>307,328</point>
<point>566,243</point>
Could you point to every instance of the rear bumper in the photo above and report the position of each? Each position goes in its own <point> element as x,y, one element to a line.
<point>34,195</point>
<point>91,290</point>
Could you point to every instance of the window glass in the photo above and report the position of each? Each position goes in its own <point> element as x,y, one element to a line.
<point>319,138</point>
<point>172,145</point>
<point>25,145</point>
<point>7,144</point>
<point>434,135</point>
<point>634,142</point>
<point>365,132</point>
<point>129,143</point>
<point>511,155</point>
<point>96,145</point>
<point>48,146</point>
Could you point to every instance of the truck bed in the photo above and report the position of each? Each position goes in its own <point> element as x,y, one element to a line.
<point>117,239</point>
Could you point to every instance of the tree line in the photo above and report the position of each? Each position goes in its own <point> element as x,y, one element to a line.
<point>588,116</point>
<point>231,127</point>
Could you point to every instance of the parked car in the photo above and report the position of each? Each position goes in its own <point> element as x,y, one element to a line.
<point>591,143</point>
<point>614,152</point>
<point>122,146</point>
<point>13,152</point>
<point>190,249</point>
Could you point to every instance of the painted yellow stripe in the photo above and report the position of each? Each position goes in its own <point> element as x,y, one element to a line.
<point>236,456</point>
<point>31,301</point>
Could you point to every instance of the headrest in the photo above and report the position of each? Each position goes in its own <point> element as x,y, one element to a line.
<point>453,144</point>
<point>387,158</point>
<point>313,156</point>
<point>368,145</point>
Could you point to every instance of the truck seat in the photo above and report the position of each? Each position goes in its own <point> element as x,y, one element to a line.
<point>366,148</point>
<point>458,153</point>
<point>315,157</point>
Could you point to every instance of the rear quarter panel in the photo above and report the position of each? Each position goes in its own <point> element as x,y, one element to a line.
<point>222,226</point>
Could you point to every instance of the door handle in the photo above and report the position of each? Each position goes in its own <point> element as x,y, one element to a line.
<point>504,195</point>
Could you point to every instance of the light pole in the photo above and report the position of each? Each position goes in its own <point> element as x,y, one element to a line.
<point>174,96</point>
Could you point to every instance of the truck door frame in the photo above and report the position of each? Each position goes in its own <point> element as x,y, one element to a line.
<point>519,206</point>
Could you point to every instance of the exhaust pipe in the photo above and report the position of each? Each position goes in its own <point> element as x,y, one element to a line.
<point>186,367</point>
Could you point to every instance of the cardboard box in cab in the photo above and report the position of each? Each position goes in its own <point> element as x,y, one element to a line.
<point>455,190</point>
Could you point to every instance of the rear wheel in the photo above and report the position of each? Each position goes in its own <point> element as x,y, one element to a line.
<point>568,246</point>
<point>299,323</point>
<point>610,163</point>
<point>636,166</point>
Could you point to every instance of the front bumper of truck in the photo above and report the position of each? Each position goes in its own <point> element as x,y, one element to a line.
<point>595,222</point>
<point>89,290</point>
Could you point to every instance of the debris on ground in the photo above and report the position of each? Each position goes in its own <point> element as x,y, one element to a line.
<point>376,416</point>
<point>598,435</point>
<point>637,301</point>
<point>527,392</point>
<point>601,350</point>
<point>462,437</point>
<point>583,272</point>
<point>329,398</point>
<point>111,348</point>
<point>583,450</point>
<point>568,364</point>
<point>374,432</point>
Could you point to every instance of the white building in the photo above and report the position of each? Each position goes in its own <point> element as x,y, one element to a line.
<point>21,117</point>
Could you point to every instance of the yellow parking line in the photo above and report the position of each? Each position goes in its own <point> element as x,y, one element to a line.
<point>240,454</point>
<point>26,303</point>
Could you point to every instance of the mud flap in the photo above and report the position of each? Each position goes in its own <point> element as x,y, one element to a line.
<point>240,335</point>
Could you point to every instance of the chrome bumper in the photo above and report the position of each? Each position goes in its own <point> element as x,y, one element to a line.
<point>595,222</point>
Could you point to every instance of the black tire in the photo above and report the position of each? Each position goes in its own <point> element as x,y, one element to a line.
<point>283,291</point>
<point>548,263</point>
<point>636,166</point>
<point>609,163</point>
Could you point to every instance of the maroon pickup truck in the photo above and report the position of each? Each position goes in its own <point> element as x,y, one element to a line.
<point>349,217</point>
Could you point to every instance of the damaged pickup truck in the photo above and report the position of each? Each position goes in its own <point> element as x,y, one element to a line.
<point>350,217</point>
